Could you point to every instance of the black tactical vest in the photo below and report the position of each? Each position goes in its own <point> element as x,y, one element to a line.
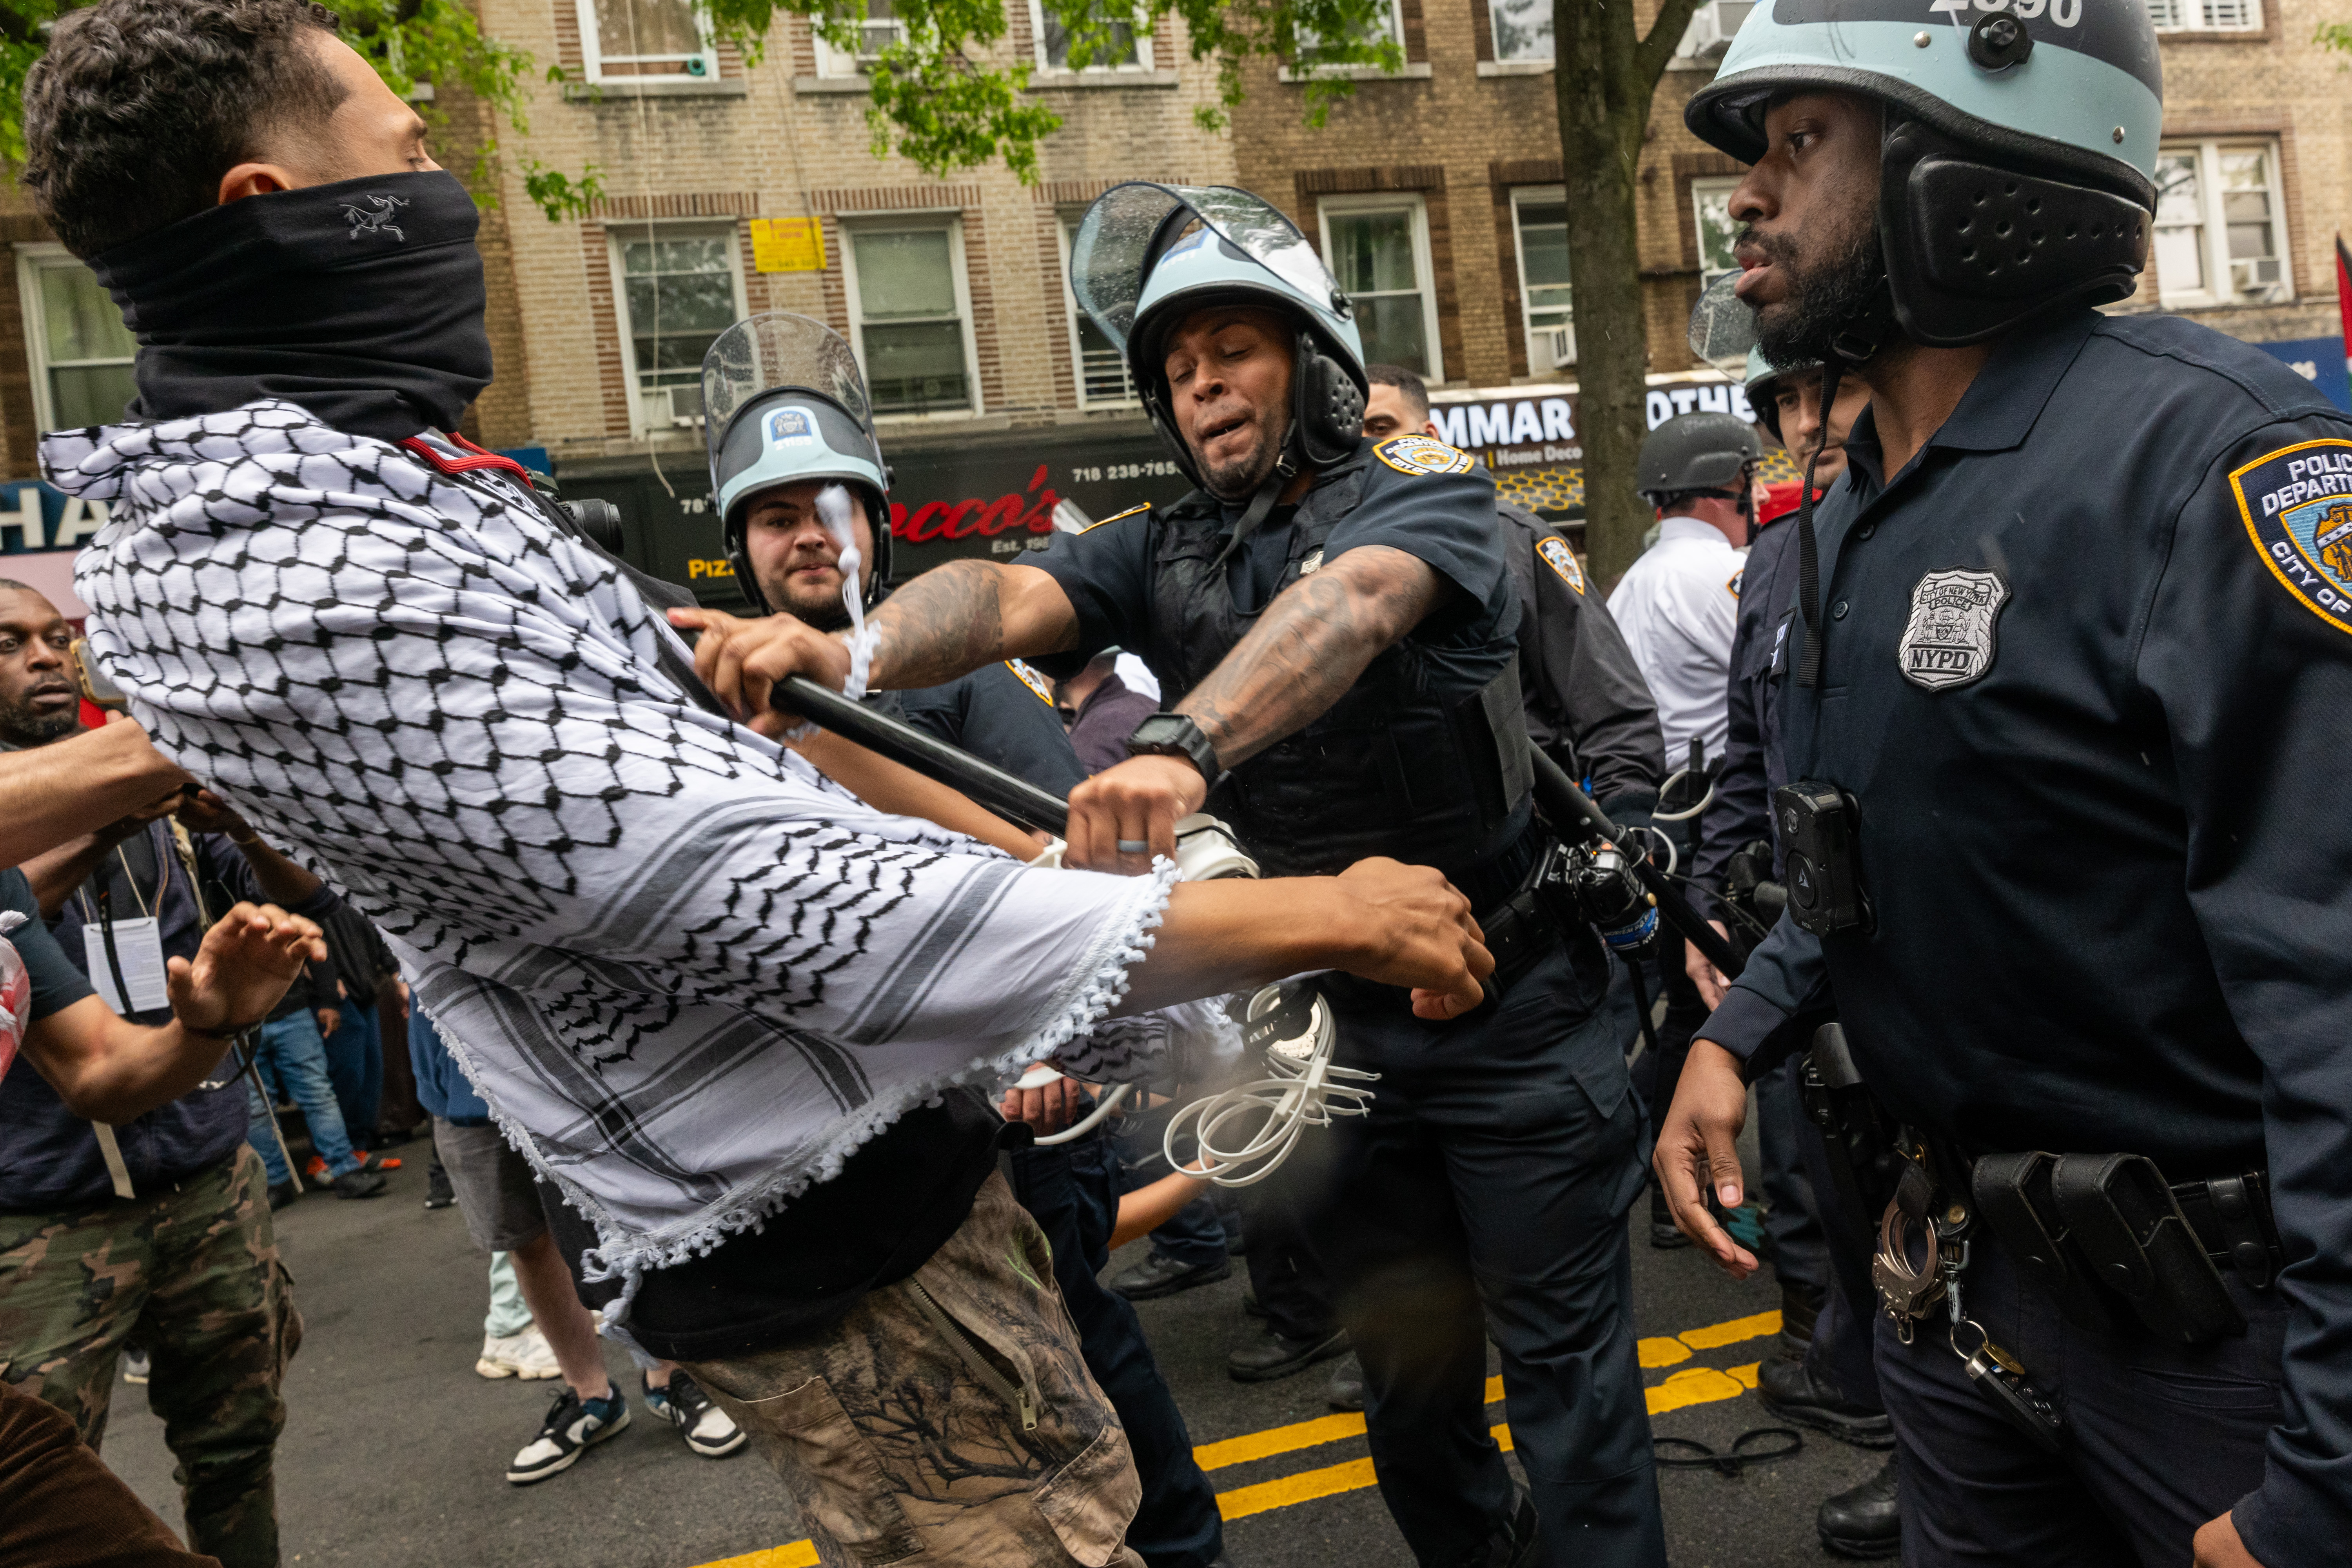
<point>1394,768</point>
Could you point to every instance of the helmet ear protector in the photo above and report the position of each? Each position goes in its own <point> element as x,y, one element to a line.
<point>1327,405</point>
<point>1973,249</point>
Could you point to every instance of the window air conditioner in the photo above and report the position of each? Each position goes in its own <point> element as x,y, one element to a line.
<point>1555,346</point>
<point>682,404</point>
<point>1713,26</point>
<point>2257,274</point>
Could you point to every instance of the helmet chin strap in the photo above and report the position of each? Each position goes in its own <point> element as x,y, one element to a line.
<point>1285,468</point>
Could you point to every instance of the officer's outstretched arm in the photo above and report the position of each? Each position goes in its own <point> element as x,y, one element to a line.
<point>946,623</point>
<point>1698,1147</point>
<point>1303,653</point>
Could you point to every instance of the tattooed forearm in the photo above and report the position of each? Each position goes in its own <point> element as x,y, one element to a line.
<point>1308,647</point>
<point>956,618</point>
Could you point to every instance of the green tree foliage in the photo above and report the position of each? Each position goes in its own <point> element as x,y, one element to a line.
<point>409,42</point>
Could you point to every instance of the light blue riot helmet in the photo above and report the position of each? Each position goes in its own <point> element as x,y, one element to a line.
<point>783,404</point>
<point>2020,149</point>
<point>1148,256</point>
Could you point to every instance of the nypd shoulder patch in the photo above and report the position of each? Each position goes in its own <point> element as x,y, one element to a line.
<point>1422,455</point>
<point>1562,561</point>
<point>1033,681</point>
<point>1114,517</point>
<point>2297,505</point>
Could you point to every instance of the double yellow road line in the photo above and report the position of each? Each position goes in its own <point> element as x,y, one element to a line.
<point>1692,1385</point>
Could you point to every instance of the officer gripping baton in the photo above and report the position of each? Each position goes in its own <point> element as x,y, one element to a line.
<point>1011,797</point>
<point>1565,804</point>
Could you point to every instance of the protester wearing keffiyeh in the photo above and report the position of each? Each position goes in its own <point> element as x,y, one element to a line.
<point>713,974</point>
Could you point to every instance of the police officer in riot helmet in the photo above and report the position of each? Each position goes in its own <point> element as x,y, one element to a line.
<point>2070,651</point>
<point>1334,623</point>
<point>803,493</point>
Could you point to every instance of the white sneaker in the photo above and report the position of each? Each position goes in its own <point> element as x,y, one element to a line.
<point>526,1355</point>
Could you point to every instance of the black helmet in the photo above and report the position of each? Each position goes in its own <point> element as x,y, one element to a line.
<point>1698,452</point>
<point>2019,150</point>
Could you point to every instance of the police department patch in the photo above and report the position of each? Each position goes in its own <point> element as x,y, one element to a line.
<point>1562,560</point>
<point>1950,638</point>
<point>1114,517</point>
<point>2297,503</point>
<point>1033,681</point>
<point>1422,455</point>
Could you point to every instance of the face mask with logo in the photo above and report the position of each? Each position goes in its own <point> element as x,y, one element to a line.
<point>362,302</point>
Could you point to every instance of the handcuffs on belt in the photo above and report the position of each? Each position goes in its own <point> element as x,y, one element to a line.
<point>1909,1293</point>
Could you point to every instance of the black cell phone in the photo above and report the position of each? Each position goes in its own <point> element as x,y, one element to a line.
<point>96,689</point>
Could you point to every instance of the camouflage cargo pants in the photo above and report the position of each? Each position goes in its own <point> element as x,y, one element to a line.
<point>194,1276</point>
<point>950,1418</point>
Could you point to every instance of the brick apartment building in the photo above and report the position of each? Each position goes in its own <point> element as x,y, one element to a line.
<point>1436,196</point>
<point>731,188</point>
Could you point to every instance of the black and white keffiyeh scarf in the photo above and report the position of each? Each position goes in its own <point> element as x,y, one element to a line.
<point>689,974</point>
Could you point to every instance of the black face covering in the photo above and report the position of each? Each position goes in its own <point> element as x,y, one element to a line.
<point>360,300</point>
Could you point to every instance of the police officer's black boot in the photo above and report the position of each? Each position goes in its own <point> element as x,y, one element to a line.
<point>1800,1307</point>
<point>1795,1392</point>
<point>1514,1546</point>
<point>1863,1521</point>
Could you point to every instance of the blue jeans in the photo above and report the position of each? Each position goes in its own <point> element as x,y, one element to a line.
<point>292,1054</point>
<point>355,1066</point>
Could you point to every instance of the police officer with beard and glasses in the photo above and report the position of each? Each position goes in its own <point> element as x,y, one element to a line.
<point>1337,626</point>
<point>2068,670</point>
<point>773,503</point>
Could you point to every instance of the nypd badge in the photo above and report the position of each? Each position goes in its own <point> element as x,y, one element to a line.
<point>1422,455</point>
<point>1562,560</point>
<point>1950,639</point>
<point>2297,503</point>
<point>791,427</point>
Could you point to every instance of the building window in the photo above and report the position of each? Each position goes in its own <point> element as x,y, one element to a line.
<point>1379,251</point>
<point>2206,15</point>
<point>646,40</point>
<point>879,30</point>
<point>912,307</point>
<point>1128,50</point>
<point>1103,380</point>
<point>2219,239</point>
<point>78,348</point>
<point>1522,29</point>
<point>679,287</point>
<point>1389,26</point>
<point>1539,223</point>
<point>1711,211</point>
<point>1712,28</point>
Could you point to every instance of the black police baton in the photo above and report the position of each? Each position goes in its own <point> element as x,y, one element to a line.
<point>1565,804</point>
<point>1009,796</point>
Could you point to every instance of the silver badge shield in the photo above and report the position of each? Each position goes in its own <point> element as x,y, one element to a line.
<point>1950,639</point>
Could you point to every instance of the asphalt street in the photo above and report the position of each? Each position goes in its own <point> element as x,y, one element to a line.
<point>395,1450</point>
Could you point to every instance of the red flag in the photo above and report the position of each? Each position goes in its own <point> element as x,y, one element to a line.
<point>2344,295</point>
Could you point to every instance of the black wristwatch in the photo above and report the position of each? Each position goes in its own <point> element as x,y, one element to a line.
<point>1174,735</point>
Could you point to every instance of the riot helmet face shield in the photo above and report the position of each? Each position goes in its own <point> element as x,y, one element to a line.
<point>783,402</point>
<point>1150,256</point>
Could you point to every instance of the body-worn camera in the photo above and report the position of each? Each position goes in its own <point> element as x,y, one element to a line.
<point>1819,824</point>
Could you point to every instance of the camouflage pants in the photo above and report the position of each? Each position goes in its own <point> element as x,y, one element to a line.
<point>898,1449</point>
<point>194,1276</point>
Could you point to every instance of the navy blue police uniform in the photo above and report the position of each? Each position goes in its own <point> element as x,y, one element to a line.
<point>2084,663</point>
<point>1002,713</point>
<point>1816,1243</point>
<point>1586,704</point>
<point>1499,1157</point>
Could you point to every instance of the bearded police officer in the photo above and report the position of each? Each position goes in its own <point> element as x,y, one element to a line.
<point>2066,677</point>
<point>1335,623</point>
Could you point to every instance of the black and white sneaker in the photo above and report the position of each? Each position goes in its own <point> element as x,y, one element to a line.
<point>573,1426</point>
<point>709,1430</point>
